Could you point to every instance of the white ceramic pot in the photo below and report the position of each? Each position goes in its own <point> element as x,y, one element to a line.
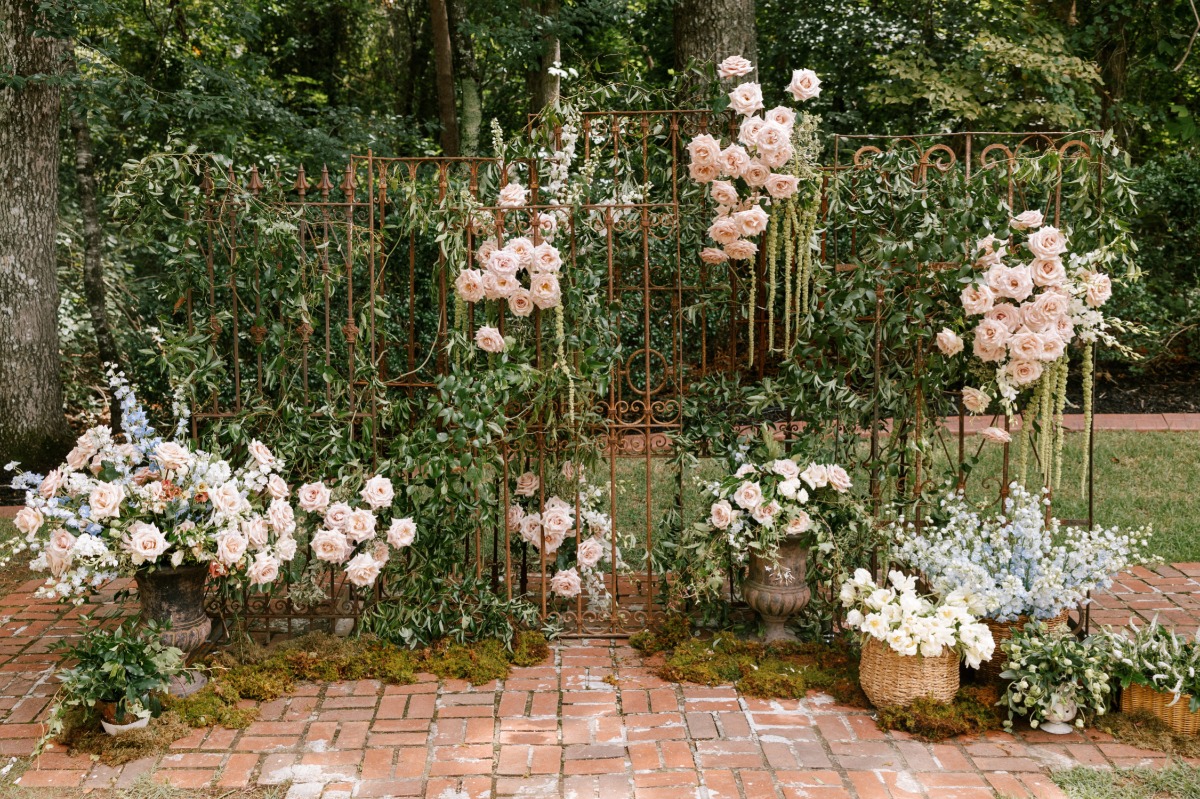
<point>117,729</point>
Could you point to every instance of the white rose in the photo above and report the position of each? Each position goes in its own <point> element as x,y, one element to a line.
<point>363,570</point>
<point>512,195</point>
<point>816,475</point>
<point>545,291</point>
<point>171,457</point>
<point>489,339</point>
<point>484,250</point>
<point>566,583</point>
<point>527,485</point>
<point>378,492</point>
<point>799,524</point>
<point>838,478</point>
<point>105,500</point>
<point>144,543</point>
<point>734,67</point>
<point>277,487</point>
<point>402,532</point>
<point>805,85</point>
<point>556,521</point>
<point>313,497</point>
<point>263,570</point>
<point>30,520</point>
<point>748,495</point>
<point>589,553</point>
<point>285,547</point>
<point>360,525</point>
<point>746,99</point>
<point>262,456</point>
<point>255,531</point>
<point>1027,220</point>
<point>1015,282</point>
<point>227,498</point>
<point>231,545</point>
<point>949,342</point>
<point>790,489</point>
<point>337,515</point>
<point>330,546</point>
<point>721,515</point>
<point>469,285</point>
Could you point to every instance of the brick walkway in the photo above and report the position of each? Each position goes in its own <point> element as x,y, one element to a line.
<point>592,723</point>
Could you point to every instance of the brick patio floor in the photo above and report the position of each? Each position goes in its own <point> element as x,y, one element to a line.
<point>592,723</point>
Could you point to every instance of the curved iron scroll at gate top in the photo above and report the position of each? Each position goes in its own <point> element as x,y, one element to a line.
<point>378,303</point>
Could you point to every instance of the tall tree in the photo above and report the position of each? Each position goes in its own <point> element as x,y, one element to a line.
<point>443,57</point>
<point>468,77</point>
<point>709,30</point>
<point>33,427</point>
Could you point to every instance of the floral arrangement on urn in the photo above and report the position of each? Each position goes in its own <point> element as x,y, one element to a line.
<point>159,509</point>
<point>765,516</point>
<point>912,643</point>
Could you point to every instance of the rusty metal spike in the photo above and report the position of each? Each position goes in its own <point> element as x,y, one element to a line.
<point>255,185</point>
<point>324,185</point>
<point>206,184</point>
<point>348,184</point>
<point>301,184</point>
<point>233,181</point>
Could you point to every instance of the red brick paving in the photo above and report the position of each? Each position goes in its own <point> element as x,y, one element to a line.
<point>591,723</point>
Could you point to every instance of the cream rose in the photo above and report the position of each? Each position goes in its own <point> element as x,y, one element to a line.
<point>721,514</point>
<point>1025,345</point>
<point>1053,347</point>
<point>402,532</point>
<point>977,299</point>
<point>557,521</point>
<point>363,570</point>
<point>799,524</point>
<point>255,531</point>
<point>1064,328</point>
<point>264,569</point>
<point>512,195</point>
<point>783,116</point>
<point>733,160</point>
<point>171,457</point>
<point>781,187</point>
<point>330,546</point>
<point>1047,242</point>
<point>756,174</point>
<point>804,85</point>
<point>741,250</point>
<point>949,342</point>
<point>277,487</point>
<point>974,400</point>
<point>227,498</point>
<point>1048,272</point>
<point>484,250</point>
<point>337,515</point>
<point>51,483</point>
<point>991,334</point>
<point>995,435</point>
<point>785,468</point>
<point>1006,314</point>
<point>711,255</point>
<point>734,67</point>
<point>765,513</point>
<point>285,547</point>
<point>105,500</point>
<point>505,263</point>
<point>1014,282</point>
<point>1023,373</point>
<point>723,193</point>
<point>816,475</point>
<point>1099,289</point>
<point>261,453</point>
<point>545,224</point>
<point>469,285</point>
<point>378,492</point>
<point>746,99</point>
<point>778,157</point>
<point>748,495</point>
<point>527,485</point>
<point>313,497</point>
<point>704,150</point>
<point>29,520</point>
<point>531,527</point>
<point>566,583</point>
<point>838,478</point>
<point>748,130</point>
<point>520,303</point>
<point>1026,220</point>
<point>78,457</point>
<point>281,517</point>
<point>144,543</point>
<point>703,173</point>
<point>589,553</point>
<point>546,258</point>
<point>724,230</point>
<point>489,339</point>
<point>771,136</point>
<point>545,291</point>
<point>521,247</point>
<point>498,287</point>
<point>752,221</point>
<point>360,525</point>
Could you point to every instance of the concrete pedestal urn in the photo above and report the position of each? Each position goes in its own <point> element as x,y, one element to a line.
<point>778,589</point>
<point>176,596</point>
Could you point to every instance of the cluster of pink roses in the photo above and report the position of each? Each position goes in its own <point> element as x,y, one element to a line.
<point>499,277</point>
<point>348,535</point>
<point>764,146</point>
<point>1030,311</point>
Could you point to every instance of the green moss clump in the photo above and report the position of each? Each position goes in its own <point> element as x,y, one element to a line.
<point>478,663</point>
<point>972,711</point>
<point>530,648</point>
<point>1146,731</point>
<point>216,704</point>
<point>674,630</point>
<point>82,737</point>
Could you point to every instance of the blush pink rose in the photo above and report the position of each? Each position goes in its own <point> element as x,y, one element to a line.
<point>469,285</point>
<point>1048,242</point>
<point>704,150</point>
<point>1022,373</point>
<point>1026,220</point>
<point>995,435</point>
<point>756,174</point>
<point>1048,271</point>
<point>489,339</point>
<point>804,85</point>
<point>313,497</point>
<point>520,303</point>
<point>711,255</point>
<point>703,173</point>
<point>1006,314</point>
<point>741,250</point>
<point>977,299</point>
<point>545,290</point>
<point>512,195</point>
<point>723,193</point>
<point>752,221</point>
<point>734,67</point>
<point>748,130</point>
<point>949,342</point>
<point>746,98</point>
<point>733,160</point>
<point>781,187</point>
<point>724,230</point>
<point>974,400</point>
<point>566,583</point>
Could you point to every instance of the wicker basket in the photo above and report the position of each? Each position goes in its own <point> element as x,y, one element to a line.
<point>1002,631</point>
<point>1176,716</point>
<point>889,678</point>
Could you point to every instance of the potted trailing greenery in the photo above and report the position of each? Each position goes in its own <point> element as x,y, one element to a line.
<point>1055,678</point>
<point>119,675</point>
<point>1159,672</point>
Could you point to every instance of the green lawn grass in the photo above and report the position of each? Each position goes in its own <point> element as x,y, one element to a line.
<point>1176,781</point>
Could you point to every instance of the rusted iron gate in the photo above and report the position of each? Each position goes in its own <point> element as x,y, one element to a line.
<point>353,239</point>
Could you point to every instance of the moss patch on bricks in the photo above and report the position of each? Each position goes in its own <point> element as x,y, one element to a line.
<point>972,711</point>
<point>1146,731</point>
<point>81,736</point>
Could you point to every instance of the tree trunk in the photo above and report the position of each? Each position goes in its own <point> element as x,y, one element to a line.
<point>468,79</point>
<point>543,86</point>
<point>443,59</point>
<point>33,427</point>
<point>709,31</point>
<point>93,268</point>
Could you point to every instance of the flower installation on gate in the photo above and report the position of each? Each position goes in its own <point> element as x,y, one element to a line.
<point>140,501</point>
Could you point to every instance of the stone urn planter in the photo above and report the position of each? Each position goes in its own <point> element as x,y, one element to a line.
<point>778,589</point>
<point>176,596</point>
